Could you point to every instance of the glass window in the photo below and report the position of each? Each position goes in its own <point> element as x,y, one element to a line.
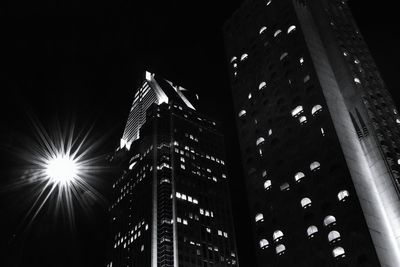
<point>264,243</point>
<point>280,249</point>
<point>277,235</point>
<point>305,202</point>
<point>277,32</point>
<point>298,176</point>
<point>285,187</point>
<point>303,119</point>
<point>283,55</point>
<point>260,140</point>
<point>242,113</point>
<point>329,220</point>
<point>315,109</point>
<point>312,230</point>
<point>267,184</point>
<point>297,110</point>
<point>262,85</point>
<point>291,28</point>
<point>315,166</point>
<point>259,217</point>
<point>244,57</point>
<point>338,252</point>
<point>233,59</point>
<point>342,195</point>
<point>356,80</point>
<point>333,236</point>
<point>269,2</point>
<point>263,29</point>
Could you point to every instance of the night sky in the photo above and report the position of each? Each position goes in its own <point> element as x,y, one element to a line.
<point>82,60</point>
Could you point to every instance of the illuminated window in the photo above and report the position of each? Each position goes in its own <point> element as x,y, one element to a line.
<point>233,59</point>
<point>277,235</point>
<point>283,55</point>
<point>343,195</point>
<point>305,202</point>
<point>291,28</point>
<point>249,96</point>
<point>269,2</point>
<point>285,187</point>
<point>264,243</point>
<point>242,113</point>
<point>333,236</point>
<point>306,79</point>
<point>267,184</point>
<point>311,231</point>
<point>316,109</point>
<point>244,57</point>
<point>259,217</point>
<point>277,33</point>
<point>303,119</point>
<point>329,220</point>
<point>262,85</point>
<point>280,249</point>
<point>338,252</point>
<point>298,176</point>
<point>301,60</point>
<point>263,29</point>
<point>356,80</point>
<point>260,140</point>
<point>297,110</point>
<point>315,166</point>
<point>356,61</point>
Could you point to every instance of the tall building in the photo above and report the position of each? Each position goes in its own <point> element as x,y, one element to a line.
<point>319,135</point>
<point>170,202</point>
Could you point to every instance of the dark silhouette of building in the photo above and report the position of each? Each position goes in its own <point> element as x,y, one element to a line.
<point>319,136</point>
<point>171,204</point>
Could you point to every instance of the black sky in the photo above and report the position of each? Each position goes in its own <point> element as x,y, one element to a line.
<point>83,59</point>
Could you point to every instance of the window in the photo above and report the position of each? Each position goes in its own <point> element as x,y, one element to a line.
<point>262,85</point>
<point>249,96</point>
<point>306,79</point>
<point>277,33</point>
<point>329,220</point>
<point>297,110</point>
<point>356,80</point>
<point>267,184</point>
<point>301,60</point>
<point>333,236</point>
<point>242,113</point>
<point>259,217</point>
<point>343,195</point>
<point>311,231</point>
<point>269,132</point>
<point>244,57</point>
<point>315,166</point>
<point>338,252</point>
<point>280,249</point>
<point>285,187</point>
<point>305,202</point>
<point>316,109</point>
<point>277,235</point>
<point>298,176</point>
<point>264,173</point>
<point>264,243</point>
<point>269,2</point>
<point>303,119</point>
<point>263,29</point>
<point>291,28</point>
<point>233,59</point>
<point>283,55</point>
<point>260,140</point>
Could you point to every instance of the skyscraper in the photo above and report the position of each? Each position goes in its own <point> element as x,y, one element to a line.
<point>170,202</point>
<point>319,135</point>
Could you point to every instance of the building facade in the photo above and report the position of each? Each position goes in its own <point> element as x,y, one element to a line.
<point>319,135</point>
<point>170,202</point>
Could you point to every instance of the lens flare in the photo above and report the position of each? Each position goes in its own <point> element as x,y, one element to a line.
<point>60,171</point>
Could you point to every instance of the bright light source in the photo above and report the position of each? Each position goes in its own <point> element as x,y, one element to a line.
<point>61,169</point>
